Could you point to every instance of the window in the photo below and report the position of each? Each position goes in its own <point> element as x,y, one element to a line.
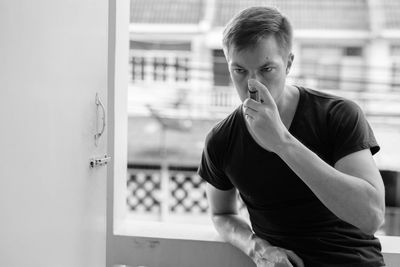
<point>220,69</point>
<point>353,51</point>
<point>151,243</point>
<point>170,111</point>
<point>159,62</point>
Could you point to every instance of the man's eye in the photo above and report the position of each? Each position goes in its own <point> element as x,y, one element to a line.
<point>269,69</point>
<point>239,71</point>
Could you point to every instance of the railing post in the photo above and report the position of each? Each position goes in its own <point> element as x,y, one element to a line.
<point>164,177</point>
<point>164,190</point>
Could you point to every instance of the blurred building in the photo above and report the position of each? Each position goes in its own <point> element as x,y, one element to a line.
<point>349,47</point>
<point>352,46</point>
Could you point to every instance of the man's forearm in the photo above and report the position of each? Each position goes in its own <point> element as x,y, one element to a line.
<point>352,199</point>
<point>236,231</point>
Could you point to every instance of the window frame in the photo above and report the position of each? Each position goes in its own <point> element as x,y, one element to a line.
<point>134,242</point>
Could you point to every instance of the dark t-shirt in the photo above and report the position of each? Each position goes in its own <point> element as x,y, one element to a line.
<point>282,209</point>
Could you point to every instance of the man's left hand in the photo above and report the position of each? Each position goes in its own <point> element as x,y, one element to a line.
<point>264,119</point>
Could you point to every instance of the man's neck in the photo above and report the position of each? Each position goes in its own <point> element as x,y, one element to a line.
<point>287,104</point>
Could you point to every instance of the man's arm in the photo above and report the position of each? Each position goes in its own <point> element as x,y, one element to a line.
<point>353,190</point>
<point>228,223</point>
<point>235,230</point>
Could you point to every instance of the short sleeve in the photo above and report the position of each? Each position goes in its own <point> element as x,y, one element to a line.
<point>211,169</point>
<point>349,130</point>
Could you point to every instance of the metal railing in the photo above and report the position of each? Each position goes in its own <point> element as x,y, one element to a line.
<point>162,193</point>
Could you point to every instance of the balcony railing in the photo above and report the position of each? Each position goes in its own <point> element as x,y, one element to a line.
<point>165,193</point>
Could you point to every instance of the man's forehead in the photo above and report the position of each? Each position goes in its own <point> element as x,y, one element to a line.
<point>265,45</point>
<point>261,62</point>
<point>266,51</point>
<point>243,58</point>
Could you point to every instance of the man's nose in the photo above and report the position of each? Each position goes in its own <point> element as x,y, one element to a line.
<point>255,76</point>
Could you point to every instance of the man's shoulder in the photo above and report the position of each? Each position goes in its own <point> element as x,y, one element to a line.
<point>327,101</point>
<point>330,109</point>
<point>320,95</point>
<point>221,131</point>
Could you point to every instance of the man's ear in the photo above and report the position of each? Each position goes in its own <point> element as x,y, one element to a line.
<point>289,62</point>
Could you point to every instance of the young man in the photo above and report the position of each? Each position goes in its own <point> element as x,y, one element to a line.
<point>300,159</point>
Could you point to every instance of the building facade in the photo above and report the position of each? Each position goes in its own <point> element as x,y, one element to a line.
<point>350,47</point>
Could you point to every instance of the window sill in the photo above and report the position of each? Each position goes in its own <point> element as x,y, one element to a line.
<point>390,244</point>
<point>201,232</point>
<point>147,243</point>
<point>163,230</point>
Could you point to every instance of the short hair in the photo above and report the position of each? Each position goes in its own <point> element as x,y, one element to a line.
<point>252,24</point>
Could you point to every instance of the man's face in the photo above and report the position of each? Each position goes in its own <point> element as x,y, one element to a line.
<point>266,62</point>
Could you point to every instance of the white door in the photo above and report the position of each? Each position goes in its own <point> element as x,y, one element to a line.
<point>53,61</point>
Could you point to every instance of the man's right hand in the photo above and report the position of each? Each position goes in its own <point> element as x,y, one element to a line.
<point>265,255</point>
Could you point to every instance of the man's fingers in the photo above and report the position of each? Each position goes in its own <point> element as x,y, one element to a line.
<point>249,112</point>
<point>296,260</point>
<point>265,95</point>
<point>250,103</point>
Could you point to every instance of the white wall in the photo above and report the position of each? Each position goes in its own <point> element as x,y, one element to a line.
<point>53,59</point>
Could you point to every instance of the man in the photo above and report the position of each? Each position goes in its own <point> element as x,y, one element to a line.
<point>300,159</point>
